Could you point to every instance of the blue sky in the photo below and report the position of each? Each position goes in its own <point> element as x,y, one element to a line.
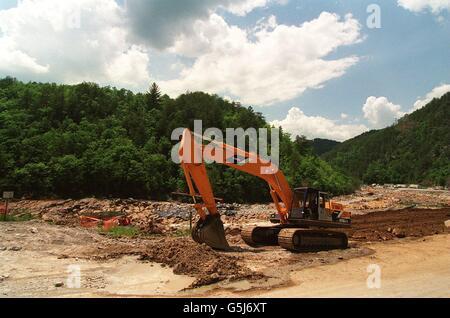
<point>406,58</point>
<point>305,64</point>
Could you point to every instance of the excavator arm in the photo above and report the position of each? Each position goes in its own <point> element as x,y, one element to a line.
<point>193,154</point>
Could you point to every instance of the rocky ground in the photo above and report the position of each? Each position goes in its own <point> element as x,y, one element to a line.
<point>372,199</point>
<point>167,262</point>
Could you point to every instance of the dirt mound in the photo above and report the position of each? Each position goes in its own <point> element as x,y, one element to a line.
<point>384,226</point>
<point>200,261</point>
<point>184,256</point>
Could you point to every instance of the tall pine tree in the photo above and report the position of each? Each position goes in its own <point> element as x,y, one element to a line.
<point>153,97</point>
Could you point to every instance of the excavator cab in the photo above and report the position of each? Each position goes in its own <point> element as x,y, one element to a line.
<point>311,207</point>
<point>306,204</point>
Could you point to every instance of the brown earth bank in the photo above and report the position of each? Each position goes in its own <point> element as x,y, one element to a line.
<point>385,226</point>
<point>382,198</point>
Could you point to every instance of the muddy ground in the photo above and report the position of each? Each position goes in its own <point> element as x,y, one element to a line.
<point>162,260</point>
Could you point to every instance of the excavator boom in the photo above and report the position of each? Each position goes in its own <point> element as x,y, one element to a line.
<point>193,154</point>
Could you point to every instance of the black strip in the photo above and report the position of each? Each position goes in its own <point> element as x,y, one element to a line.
<point>277,308</point>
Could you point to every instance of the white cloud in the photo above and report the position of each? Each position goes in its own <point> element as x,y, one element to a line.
<point>242,8</point>
<point>129,67</point>
<point>70,41</point>
<point>380,112</point>
<point>159,22</point>
<point>299,124</point>
<point>437,92</point>
<point>435,6</point>
<point>89,40</point>
<point>272,64</point>
<point>13,59</point>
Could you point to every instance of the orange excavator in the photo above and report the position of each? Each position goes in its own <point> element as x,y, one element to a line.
<point>304,216</point>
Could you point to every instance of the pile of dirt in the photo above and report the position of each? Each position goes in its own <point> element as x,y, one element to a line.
<point>183,255</point>
<point>200,261</point>
<point>388,225</point>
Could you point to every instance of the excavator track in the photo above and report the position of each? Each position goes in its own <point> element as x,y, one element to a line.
<point>257,236</point>
<point>305,240</point>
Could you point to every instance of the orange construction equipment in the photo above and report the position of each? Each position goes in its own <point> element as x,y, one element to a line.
<point>303,213</point>
<point>107,224</point>
<point>3,211</point>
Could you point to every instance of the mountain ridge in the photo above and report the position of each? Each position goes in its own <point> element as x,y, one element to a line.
<point>416,149</point>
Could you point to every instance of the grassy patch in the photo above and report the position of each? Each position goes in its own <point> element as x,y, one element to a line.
<point>122,231</point>
<point>17,218</point>
<point>182,233</point>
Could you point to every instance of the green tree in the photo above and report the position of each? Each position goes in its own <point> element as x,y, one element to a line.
<point>34,179</point>
<point>84,140</point>
<point>67,176</point>
<point>153,97</point>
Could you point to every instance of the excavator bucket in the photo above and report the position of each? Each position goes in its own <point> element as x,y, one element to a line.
<point>211,232</point>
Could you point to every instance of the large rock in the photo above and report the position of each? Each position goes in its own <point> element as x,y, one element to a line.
<point>399,233</point>
<point>59,284</point>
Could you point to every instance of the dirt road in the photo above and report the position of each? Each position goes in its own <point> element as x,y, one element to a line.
<point>412,268</point>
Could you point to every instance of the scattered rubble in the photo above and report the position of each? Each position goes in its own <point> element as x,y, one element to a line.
<point>150,217</point>
<point>4,277</point>
<point>378,198</point>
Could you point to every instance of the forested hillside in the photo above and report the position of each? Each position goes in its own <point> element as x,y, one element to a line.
<point>321,146</point>
<point>415,150</point>
<point>86,140</point>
